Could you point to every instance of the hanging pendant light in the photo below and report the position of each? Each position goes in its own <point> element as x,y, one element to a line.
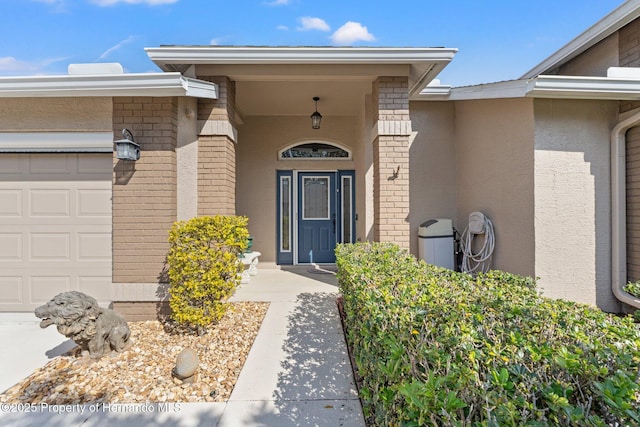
<point>316,117</point>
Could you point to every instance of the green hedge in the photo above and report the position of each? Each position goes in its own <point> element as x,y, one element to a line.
<point>633,288</point>
<point>204,268</point>
<point>436,347</point>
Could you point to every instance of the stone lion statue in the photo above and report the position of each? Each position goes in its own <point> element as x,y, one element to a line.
<point>79,317</point>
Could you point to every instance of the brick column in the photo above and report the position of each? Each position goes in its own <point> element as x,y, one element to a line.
<point>217,151</point>
<point>391,131</point>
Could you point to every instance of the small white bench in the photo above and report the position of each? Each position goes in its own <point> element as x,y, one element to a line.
<point>250,261</point>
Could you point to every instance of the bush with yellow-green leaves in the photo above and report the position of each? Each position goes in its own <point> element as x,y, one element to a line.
<point>436,347</point>
<point>204,267</point>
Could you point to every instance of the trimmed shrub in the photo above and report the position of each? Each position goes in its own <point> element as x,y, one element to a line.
<point>204,268</point>
<point>633,288</point>
<point>436,347</point>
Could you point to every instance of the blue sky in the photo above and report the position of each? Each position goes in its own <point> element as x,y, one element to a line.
<point>497,39</point>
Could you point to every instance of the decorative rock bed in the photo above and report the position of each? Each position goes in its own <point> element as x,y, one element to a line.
<point>142,373</point>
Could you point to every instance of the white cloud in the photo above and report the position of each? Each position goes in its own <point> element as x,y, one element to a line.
<point>112,49</point>
<point>282,28</point>
<point>350,33</point>
<point>147,2</point>
<point>278,3</point>
<point>309,23</point>
<point>11,66</point>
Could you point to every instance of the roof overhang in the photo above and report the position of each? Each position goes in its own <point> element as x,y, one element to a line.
<point>557,87</point>
<point>424,64</point>
<point>143,84</point>
<point>626,13</point>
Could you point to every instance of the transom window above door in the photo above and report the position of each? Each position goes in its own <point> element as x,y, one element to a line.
<point>314,150</point>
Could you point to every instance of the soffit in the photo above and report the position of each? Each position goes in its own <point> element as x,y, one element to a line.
<point>283,80</point>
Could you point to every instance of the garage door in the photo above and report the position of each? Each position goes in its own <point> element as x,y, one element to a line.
<point>55,227</point>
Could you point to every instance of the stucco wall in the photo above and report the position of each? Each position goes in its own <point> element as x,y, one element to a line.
<point>572,200</point>
<point>187,159</point>
<point>494,153</point>
<point>432,165</point>
<point>259,140</point>
<point>55,114</point>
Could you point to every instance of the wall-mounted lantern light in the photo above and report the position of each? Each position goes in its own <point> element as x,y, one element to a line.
<point>316,117</point>
<point>126,148</point>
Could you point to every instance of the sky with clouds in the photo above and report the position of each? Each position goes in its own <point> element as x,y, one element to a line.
<point>497,39</point>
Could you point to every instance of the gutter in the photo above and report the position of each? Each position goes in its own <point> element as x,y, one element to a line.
<point>143,84</point>
<point>618,211</point>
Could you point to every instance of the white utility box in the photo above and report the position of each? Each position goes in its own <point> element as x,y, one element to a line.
<point>435,242</point>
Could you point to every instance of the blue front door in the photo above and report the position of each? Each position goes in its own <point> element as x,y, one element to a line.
<point>315,211</point>
<point>317,221</point>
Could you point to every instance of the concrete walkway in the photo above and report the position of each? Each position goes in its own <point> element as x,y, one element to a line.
<point>297,372</point>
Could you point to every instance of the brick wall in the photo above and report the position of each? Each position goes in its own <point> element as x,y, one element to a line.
<point>391,161</point>
<point>629,54</point>
<point>633,203</point>
<point>142,310</point>
<point>144,192</point>
<point>216,175</point>
<point>392,98</point>
<point>217,151</point>
<point>391,190</point>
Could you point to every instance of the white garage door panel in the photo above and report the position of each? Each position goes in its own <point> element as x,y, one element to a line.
<point>55,227</point>
<point>11,289</point>
<point>10,203</point>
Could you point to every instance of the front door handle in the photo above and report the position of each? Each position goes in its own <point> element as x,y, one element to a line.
<point>334,223</point>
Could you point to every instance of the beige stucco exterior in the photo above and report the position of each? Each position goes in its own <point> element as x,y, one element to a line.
<point>572,200</point>
<point>55,114</point>
<point>432,157</point>
<point>494,168</point>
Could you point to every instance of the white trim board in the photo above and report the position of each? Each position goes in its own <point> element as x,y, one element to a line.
<point>47,142</point>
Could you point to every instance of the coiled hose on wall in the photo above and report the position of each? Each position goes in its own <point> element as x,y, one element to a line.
<point>479,227</point>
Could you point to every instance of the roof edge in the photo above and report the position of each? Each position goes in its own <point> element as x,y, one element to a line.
<point>608,25</point>
<point>142,84</point>
<point>162,56</point>
<point>545,86</point>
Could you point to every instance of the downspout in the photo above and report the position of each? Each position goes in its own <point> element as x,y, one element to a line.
<point>619,211</point>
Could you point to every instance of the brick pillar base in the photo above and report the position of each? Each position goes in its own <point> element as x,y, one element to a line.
<point>216,176</point>
<point>391,190</point>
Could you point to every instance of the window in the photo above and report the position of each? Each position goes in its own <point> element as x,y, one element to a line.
<point>315,197</point>
<point>346,209</point>
<point>285,213</point>
<point>314,150</point>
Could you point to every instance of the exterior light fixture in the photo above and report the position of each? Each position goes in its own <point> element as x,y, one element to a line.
<point>126,148</point>
<point>316,117</point>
